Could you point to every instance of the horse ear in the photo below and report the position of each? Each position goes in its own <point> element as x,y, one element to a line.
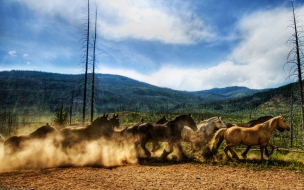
<point>117,115</point>
<point>190,115</point>
<point>104,115</point>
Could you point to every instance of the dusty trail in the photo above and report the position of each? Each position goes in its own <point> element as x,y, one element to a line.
<point>152,176</point>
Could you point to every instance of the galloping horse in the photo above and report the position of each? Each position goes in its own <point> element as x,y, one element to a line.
<point>256,135</point>
<point>18,142</point>
<point>246,125</point>
<point>206,130</point>
<point>131,134</point>
<point>100,127</point>
<point>169,132</point>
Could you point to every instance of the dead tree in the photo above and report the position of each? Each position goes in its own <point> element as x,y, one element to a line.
<point>93,68</point>
<point>86,57</point>
<point>294,58</point>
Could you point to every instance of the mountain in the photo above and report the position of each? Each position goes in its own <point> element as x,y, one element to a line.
<point>34,91</point>
<point>228,92</point>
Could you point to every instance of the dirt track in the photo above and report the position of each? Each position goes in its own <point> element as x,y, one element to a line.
<point>152,176</point>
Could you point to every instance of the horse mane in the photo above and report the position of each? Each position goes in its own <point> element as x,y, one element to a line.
<point>258,120</point>
<point>207,120</point>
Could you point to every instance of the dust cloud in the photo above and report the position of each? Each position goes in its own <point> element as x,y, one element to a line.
<point>47,153</point>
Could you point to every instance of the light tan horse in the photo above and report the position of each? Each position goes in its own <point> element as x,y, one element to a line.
<point>256,135</point>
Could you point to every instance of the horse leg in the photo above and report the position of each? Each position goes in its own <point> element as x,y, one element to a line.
<point>272,149</point>
<point>244,154</point>
<point>229,147</point>
<point>218,144</point>
<point>180,149</point>
<point>226,148</point>
<point>262,151</point>
<point>165,153</point>
<point>147,152</point>
<point>155,146</point>
<point>267,152</point>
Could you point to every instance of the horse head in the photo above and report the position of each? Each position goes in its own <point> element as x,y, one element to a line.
<point>163,120</point>
<point>115,121</point>
<point>211,125</point>
<point>185,120</point>
<point>219,123</point>
<point>281,123</point>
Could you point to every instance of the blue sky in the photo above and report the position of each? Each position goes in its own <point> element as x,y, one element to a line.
<point>180,44</point>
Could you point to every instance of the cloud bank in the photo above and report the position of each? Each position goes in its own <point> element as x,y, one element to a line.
<point>256,62</point>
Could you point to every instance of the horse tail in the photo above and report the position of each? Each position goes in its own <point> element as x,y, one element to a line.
<point>218,135</point>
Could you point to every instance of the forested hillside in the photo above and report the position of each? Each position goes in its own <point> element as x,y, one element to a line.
<point>45,92</point>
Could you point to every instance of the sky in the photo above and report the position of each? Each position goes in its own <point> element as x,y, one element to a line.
<point>187,45</point>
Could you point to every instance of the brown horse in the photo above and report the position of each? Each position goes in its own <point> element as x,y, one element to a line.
<point>100,127</point>
<point>246,125</point>
<point>18,142</point>
<point>256,135</point>
<point>169,132</point>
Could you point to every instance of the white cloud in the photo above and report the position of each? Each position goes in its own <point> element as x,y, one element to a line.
<point>28,63</point>
<point>120,19</point>
<point>194,79</point>
<point>25,55</point>
<point>12,53</point>
<point>150,21</point>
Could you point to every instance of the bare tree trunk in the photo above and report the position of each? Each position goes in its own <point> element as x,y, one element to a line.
<point>71,106</point>
<point>86,66</point>
<point>93,71</point>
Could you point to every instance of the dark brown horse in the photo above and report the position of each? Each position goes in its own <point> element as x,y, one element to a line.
<point>257,135</point>
<point>100,127</point>
<point>131,134</point>
<point>246,125</point>
<point>18,142</point>
<point>169,132</point>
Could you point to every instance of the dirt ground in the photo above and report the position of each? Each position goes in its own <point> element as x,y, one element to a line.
<point>152,176</point>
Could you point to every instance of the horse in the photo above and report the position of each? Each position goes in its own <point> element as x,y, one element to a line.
<point>100,127</point>
<point>206,130</point>
<point>246,125</point>
<point>115,121</point>
<point>257,135</point>
<point>169,132</point>
<point>129,134</point>
<point>18,142</point>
